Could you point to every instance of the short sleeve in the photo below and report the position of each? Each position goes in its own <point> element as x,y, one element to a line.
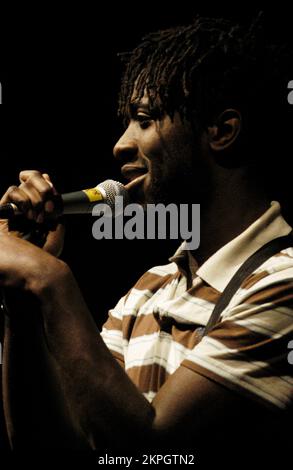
<point>112,331</point>
<point>248,350</point>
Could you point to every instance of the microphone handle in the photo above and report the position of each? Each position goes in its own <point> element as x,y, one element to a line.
<point>78,202</point>
<point>8,211</point>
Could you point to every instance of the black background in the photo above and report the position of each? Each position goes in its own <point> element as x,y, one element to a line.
<point>60,80</point>
<point>60,77</point>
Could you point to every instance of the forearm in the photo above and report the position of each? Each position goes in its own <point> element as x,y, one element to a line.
<point>36,413</point>
<point>103,399</point>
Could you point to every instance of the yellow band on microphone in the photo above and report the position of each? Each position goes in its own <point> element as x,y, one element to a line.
<point>94,194</point>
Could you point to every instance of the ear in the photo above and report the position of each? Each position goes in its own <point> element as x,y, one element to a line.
<point>225,130</point>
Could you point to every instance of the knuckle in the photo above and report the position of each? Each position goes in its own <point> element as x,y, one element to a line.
<point>28,173</point>
<point>40,184</point>
<point>45,191</point>
<point>12,189</point>
<point>37,202</point>
<point>33,186</point>
<point>14,194</point>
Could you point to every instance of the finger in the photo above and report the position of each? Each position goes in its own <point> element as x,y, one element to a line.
<point>40,192</point>
<point>41,181</point>
<point>27,174</point>
<point>48,179</point>
<point>39,200</point>
<point>20,198</point>
<point>35,197</point>
<point>40,184</point>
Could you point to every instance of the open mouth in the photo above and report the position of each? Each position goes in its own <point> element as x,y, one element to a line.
<point>135,176</point>
<point>132,172</point>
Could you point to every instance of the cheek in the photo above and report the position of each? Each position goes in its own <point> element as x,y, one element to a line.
<point>151,147</point>
<point>170,145</point>
<point>177,141</point>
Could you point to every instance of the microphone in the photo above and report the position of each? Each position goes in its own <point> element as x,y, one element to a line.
<point>78,202</point>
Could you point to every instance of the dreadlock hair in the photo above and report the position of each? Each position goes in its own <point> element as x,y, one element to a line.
<point>211,65</point>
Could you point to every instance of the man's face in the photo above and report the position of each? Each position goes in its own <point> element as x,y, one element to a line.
<point>158,156</point>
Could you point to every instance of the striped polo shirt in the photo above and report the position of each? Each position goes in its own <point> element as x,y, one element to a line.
<point>152,330</point>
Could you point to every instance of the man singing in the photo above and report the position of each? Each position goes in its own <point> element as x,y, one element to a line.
<point>197,130</point>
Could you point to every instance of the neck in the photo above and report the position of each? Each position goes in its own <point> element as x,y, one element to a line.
<point>230,210</point>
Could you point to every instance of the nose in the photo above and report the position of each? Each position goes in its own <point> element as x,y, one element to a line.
<point>126,149</point>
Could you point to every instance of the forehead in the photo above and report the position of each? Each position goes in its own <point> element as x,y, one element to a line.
<point>136,99</point>
<point>153,104</point>
<point>144,97</point>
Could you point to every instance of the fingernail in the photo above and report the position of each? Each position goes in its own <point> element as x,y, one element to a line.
<point>49,206</point>
<point>40,218</point>
<point>30,214</point>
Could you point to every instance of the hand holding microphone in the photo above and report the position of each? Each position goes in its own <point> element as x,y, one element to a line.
<point>32,199</point>
<point>26,200</point>
<point>37,200</point>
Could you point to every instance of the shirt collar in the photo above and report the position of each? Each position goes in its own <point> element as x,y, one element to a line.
<point>219,269</point>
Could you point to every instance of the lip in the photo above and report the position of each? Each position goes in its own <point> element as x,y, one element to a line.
<point>132,172</point>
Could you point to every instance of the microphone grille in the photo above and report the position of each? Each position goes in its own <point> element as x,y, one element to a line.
<point>112,189</point>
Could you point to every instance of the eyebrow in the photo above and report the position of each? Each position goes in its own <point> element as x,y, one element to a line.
<point>154,109</point>
<point>134,105</point>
